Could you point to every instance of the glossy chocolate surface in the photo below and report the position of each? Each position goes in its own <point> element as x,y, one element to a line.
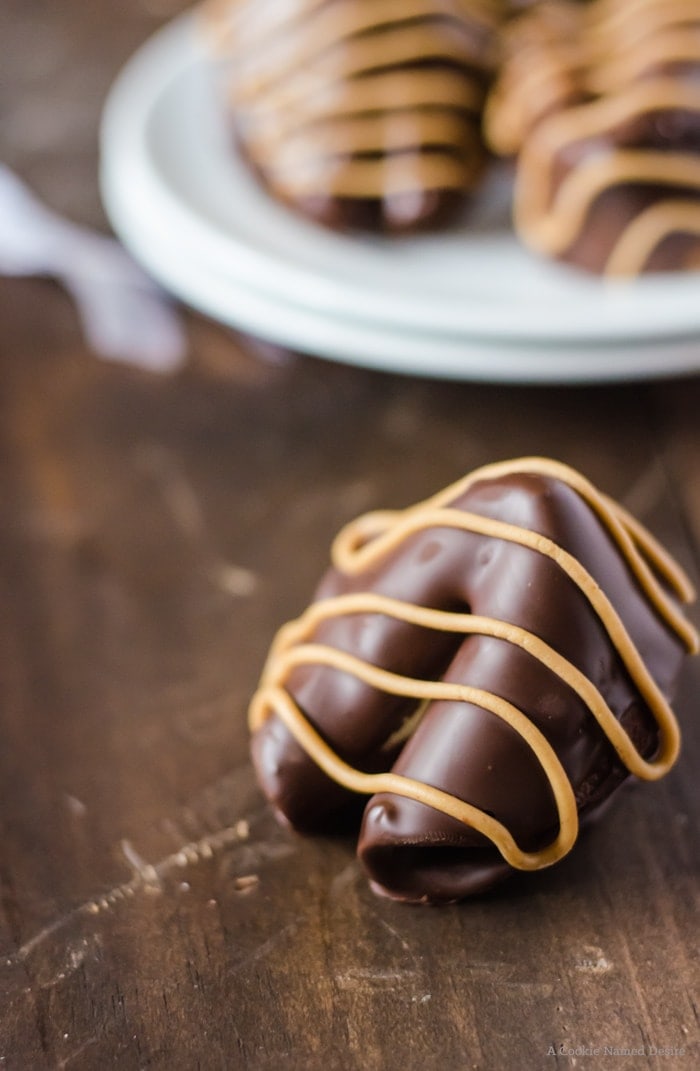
<point>409,850</point>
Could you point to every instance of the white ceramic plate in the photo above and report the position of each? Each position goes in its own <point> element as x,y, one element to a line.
<point>358,342</point>
<point>468,304</point>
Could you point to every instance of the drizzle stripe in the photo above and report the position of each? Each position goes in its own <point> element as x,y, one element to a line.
<point>644,235</point>
<point>402,44</point>
<point>554,231</point>
<point>369,133</point>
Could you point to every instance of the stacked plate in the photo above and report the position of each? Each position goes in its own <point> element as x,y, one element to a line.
<point>469,304</point>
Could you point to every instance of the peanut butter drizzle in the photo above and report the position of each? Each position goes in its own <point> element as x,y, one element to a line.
<point>557,228</point>
<point>580,74</point>
<point>254,22</point>
<point>299,71</point>
<point>339,49</point>
<point>420,93</point>
<point>366,133</point>
<point>646,233</point>
<point>638,16</point>
<point>540,72</point>
<point>367,540</point>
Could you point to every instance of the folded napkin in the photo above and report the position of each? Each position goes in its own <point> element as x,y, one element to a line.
<point>124,315</point>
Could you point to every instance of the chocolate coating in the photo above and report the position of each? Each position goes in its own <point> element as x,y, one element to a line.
<point>409,850</point>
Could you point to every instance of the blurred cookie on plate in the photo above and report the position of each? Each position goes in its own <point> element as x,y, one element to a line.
<point>600,106</point>
<point>360,115</point>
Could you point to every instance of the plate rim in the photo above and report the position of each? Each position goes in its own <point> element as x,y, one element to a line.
<point>370,346</point>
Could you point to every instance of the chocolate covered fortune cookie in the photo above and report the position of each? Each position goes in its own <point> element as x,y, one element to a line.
<point>488,666</point>
<point>600,105</point>
<point>359,113</point>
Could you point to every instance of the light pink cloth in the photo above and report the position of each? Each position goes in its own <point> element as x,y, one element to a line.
<point>124,315</point>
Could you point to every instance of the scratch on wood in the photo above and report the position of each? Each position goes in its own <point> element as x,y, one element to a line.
<point>47,931</point>
<point>497,971</point>
<point>372,978</point>
<point>637,988</point>
<point>147,878</point>
<point>75,1053</point>
<point>75,957</point>
<point>142,870</point>
<point>268,946</point>
<point>394,933</point>
<point>177,492</point>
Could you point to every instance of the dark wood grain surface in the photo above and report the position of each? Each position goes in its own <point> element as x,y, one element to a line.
<point>154,532</point>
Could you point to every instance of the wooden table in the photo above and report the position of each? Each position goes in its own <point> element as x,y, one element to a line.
<point>154,532</point>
